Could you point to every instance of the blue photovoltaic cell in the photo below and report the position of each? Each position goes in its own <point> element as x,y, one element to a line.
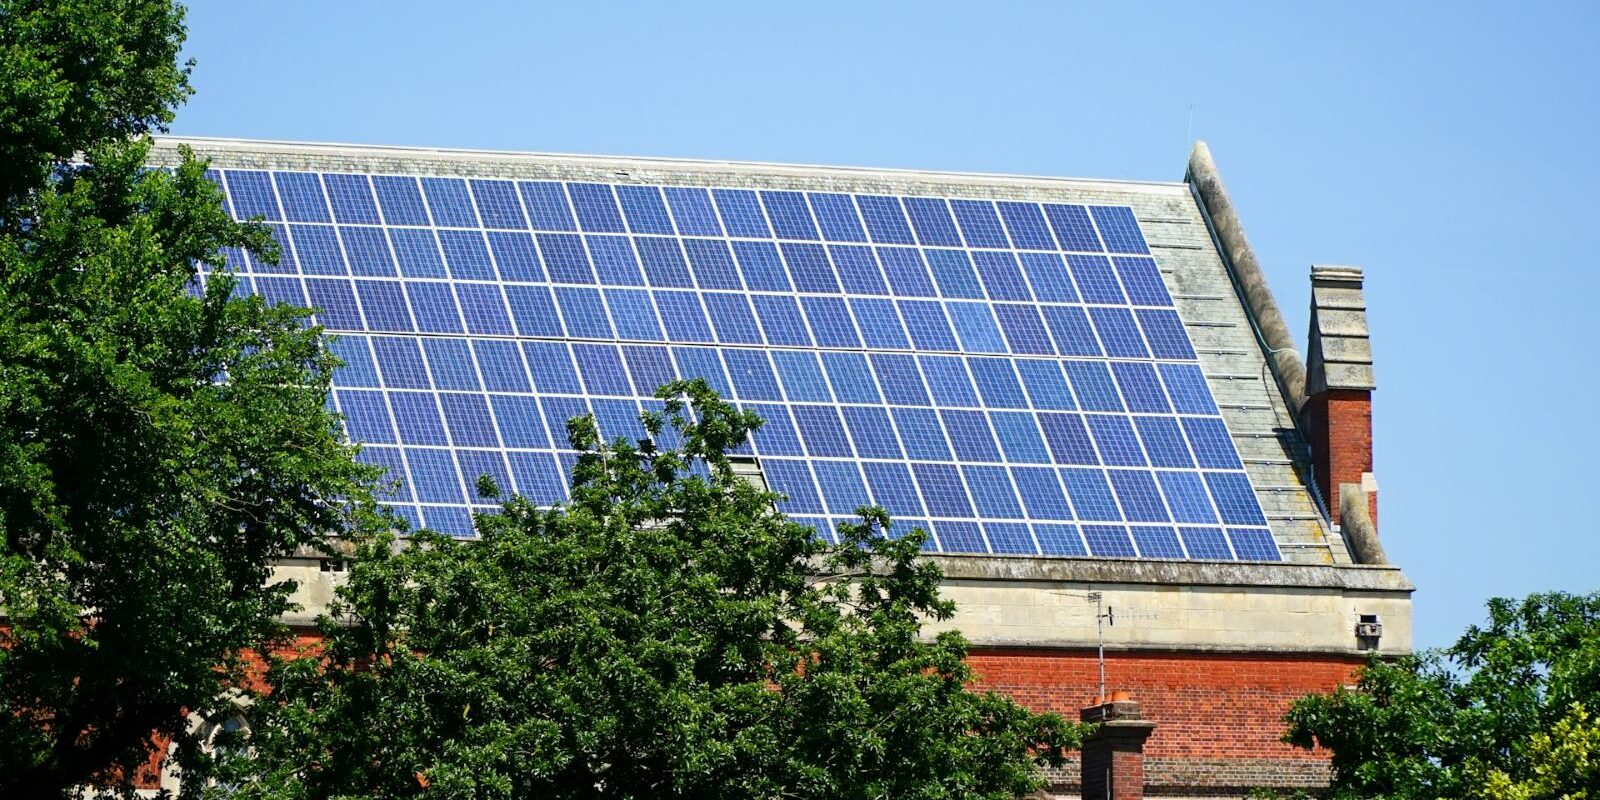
<point>1056,539</point>
<point>691,209</point>
<point>880,324</point>
<point>886,222</point>
<point>1142,281</point>
<point>449,202</point>
<point>1097,283</point>
<point>1091,494</point>
<point>564,258</point>
<point>1254,544</point>
<point>732,318</point>
<point>702,362</point>
<point>1023,330</point>
<point>948,380</point>
<point>858,270</point>
<point>906,272</point>
<point>836,216</point>
<point>992,492</point>
<point>1047,272</point>
<point>399,200</point>
<point>1072,227</point>
<point>1041,493</point>
<point>1165,333</point>
<point>789,216</point>
<point>1157,541</point>
<point>1010,375</point>
<point>547,207</point>
<point>417,251</point>
<point>300,194</point>
<point>970,435</point>
<point>317,250</point>
<point>843,490</point>
<point>1163,442</point>
<point>922,434</point>
<point>809,268</point>
<point>870,430</point>
<point>367,251</point>
<point>497,204</point>
<point>741,213</point>
<point>596,207</point>
<point>776,436</point>
<point>712,264</point>
<point>952,271</point>
<point>959,537</point>
<point>252,195</point>
<point>645,209</point>
<point>1118,229</point>
<point>927,324</point>
<point>1026,224</point>
<point>1205,543</point>
<point>1091,380</point>
<point>351,197</point>
<point>1071,332</point>
<point>980,226</point>
<point>781,320</point>
<point>930,218</point>
<point>1110,541</point>
<point>1001,275</point>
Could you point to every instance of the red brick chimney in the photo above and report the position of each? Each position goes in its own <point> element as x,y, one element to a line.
<point>1113,758</point>
<point>1337,415</point>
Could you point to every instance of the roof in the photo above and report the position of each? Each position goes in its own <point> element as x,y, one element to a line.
<point>1166,307</point>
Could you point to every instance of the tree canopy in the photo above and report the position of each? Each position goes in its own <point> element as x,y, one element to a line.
<point>160,443</point>
<point>1507,712</point>
<point>666,633</point>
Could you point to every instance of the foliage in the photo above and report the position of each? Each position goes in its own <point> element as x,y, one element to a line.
<point>1503,713</point>
<point>1561,764</point>
<point>666,634</point>
<point>76,73</point>
<point>142,497</point>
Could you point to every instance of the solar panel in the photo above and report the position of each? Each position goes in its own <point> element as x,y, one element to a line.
<point>1010,375</point>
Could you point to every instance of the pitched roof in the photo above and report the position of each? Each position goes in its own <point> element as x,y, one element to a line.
<point>985,259</point>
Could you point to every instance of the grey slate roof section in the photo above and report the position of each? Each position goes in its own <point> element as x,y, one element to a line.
<point>1231,356</point>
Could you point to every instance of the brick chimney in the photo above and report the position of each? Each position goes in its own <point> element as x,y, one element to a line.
<point>1113,758</point>
<point>1337,415</point>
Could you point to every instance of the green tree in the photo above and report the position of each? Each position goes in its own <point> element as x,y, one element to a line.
<point>159,445</point>
<point>667,633</point>
<point>1505,712</point>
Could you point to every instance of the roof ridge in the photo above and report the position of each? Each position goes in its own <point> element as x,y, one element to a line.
<point>225,144</point>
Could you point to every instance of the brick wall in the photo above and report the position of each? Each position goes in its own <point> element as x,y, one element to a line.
<point>1339,427</point>
<point>1218,716</point>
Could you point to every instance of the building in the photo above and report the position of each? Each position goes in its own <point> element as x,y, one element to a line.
<point>1084,389</point>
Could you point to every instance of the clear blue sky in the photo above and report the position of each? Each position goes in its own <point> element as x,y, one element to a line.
<point>1448,149</point>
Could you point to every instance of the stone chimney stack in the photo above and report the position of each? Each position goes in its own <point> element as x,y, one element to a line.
<point>1337,415</point>
<point>1113,758</point>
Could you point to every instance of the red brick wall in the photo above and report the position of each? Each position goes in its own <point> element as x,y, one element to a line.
<point>1339,426</point>
<point>1218,716</point>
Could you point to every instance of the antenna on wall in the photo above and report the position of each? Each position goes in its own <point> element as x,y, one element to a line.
<point>1188,133</point>
<point>1105,615</point>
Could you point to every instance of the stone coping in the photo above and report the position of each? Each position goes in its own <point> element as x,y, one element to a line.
<point>1044,569</point>
<point>1348,577</point>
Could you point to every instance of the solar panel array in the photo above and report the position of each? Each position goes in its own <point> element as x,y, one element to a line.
<point>1011,376</point>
